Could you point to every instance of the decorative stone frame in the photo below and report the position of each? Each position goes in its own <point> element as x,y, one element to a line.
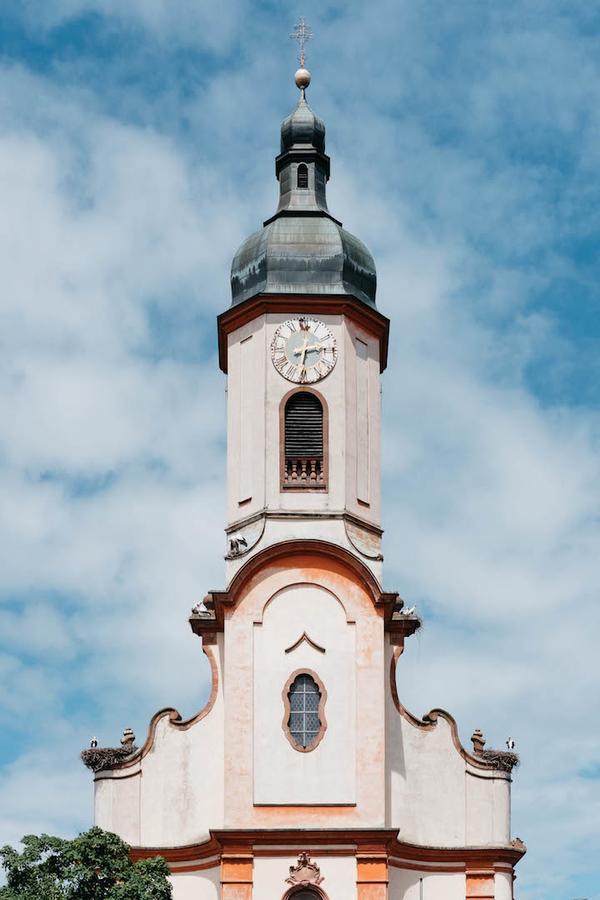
<point>308,486</point>
<point>304,877</point>
<point>287,710</point>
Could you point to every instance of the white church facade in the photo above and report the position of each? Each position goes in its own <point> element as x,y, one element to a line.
<point>304,776</point>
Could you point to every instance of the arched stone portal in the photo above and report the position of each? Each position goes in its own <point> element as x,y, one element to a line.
<point>305,894</point>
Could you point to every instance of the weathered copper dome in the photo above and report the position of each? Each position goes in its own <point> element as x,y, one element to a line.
<point>302,249</point>
<point>303,128</point>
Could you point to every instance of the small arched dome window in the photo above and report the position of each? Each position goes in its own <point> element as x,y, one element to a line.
<point>302,176</point>
<point>303,442</point>
<point>304,700</point>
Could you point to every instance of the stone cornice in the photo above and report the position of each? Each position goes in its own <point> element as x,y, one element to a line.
<point>283,514</point>
<point>327,304</point>
<point>219,600</point>
<point>336,841</point>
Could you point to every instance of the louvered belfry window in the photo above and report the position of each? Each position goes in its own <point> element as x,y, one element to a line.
<point>302,176</point>
<point>303,442</point>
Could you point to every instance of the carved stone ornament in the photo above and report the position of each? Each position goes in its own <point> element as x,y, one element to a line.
<point>305,873</point>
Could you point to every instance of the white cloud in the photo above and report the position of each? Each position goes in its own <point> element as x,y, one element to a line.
<point>111,453</point>
<point>198,23</point>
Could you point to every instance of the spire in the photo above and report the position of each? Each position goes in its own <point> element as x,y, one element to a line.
<point>301,247</point>
<point>302,167</point>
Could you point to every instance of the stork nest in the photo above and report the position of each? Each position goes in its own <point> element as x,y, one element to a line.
<point>100,758</point>
<point>505,760</point>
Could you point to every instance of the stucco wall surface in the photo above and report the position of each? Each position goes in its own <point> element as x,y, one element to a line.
<point>503,885</point>
<point>174,795</point>
<point>282,774</point>
<point>351,393</point>
<point>117,805</point>
<point>276,529</point>
<point>322,597</point>
<point>406,885</point>
<point>203,885</point>
<point>425,772</point>
<point>181,795</point>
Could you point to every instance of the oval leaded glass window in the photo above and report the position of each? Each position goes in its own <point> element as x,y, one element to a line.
<point>306,721</point>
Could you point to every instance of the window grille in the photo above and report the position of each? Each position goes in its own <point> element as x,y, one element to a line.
<point>302,180</point>
<point>304,723</point>
<point>303,441</point>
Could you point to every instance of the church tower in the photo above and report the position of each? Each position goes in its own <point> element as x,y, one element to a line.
<point>304,776</point>
<point>303,345</point>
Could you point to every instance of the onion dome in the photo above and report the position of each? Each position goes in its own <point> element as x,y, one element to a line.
<point>303,128</point>
<point>302,248</point>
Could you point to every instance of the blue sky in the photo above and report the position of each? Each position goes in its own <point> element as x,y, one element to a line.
<point>136,151</point>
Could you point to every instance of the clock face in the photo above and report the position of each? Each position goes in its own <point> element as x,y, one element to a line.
<point>303,350</point>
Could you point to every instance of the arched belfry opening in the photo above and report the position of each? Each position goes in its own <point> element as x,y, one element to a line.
<point>304,441</point>
<point>302,176</point>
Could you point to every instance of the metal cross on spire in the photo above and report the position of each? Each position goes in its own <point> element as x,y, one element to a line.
<point>302,33</point>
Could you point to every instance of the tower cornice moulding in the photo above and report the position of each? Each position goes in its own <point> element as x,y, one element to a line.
<point>327,304</point>
<point>282,514</point>
<point>284,842</point>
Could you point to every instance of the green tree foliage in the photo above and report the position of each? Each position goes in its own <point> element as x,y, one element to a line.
<point>93,866</point>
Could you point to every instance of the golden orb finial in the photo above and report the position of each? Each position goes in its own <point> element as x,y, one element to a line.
<point>302,78</point>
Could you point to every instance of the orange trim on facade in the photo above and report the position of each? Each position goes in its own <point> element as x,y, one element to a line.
<point>284,853</point>
<point>372,874</point>
<point>237,865</point>
<point>470,857</point>
<point>364,843</point>
<point>198,867</point>
<point>295,554</point>
<point>367,317</point>
<point>480,885</point>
